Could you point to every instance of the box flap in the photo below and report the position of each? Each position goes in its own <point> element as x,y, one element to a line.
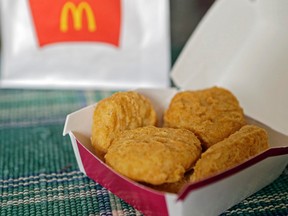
<point>243,46</point>
<point>80,121</point>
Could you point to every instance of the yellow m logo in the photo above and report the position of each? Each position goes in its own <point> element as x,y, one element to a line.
<point>77,15</point>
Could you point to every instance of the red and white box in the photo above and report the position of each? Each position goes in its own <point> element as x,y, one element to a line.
<point>239,45</point>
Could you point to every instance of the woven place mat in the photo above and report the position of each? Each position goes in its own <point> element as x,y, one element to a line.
<point>39,173</point>
<point>66,193</point>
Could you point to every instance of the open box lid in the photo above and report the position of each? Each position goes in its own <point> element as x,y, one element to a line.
<point>243,46</point>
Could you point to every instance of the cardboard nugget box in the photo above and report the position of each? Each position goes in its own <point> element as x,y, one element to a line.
<point>239,45</point>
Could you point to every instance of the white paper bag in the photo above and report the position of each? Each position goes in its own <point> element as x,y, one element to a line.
<point>85,43</point>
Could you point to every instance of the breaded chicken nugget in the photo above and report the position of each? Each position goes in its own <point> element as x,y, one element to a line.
<point>240,146</point>
<point>121,111</point>
<point>212,114</point>
<point>154,155</point>
<point>174,187</point>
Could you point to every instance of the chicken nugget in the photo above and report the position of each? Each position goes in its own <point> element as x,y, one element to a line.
<point>174,187</point>
<point>212,114</point>
<point>240,146</point>
<point>154,155</point>
<point>121,111</point>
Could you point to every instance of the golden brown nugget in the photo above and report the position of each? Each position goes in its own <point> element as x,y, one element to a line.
<point>154,155</point>
<point>240,146</point>
<point>212,114</point>
<point>121,111</point>
<point>174,187</point>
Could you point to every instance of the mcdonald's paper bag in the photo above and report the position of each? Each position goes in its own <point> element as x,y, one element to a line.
<point>85,43</point>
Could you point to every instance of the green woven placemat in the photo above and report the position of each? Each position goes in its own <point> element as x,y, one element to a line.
<point>65,193</point>
<point>39,173</point>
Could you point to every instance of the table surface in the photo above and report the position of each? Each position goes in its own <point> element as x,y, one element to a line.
<point>39,173</point>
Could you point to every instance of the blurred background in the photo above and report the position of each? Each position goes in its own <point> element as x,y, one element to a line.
<point>184,17</point>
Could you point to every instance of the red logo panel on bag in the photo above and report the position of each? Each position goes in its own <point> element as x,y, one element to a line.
<point>76,21</point>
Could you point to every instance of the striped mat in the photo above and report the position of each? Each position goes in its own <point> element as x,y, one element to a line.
<point>39,173</point>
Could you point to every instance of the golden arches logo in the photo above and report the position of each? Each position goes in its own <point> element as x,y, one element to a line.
<point>77,13</point>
